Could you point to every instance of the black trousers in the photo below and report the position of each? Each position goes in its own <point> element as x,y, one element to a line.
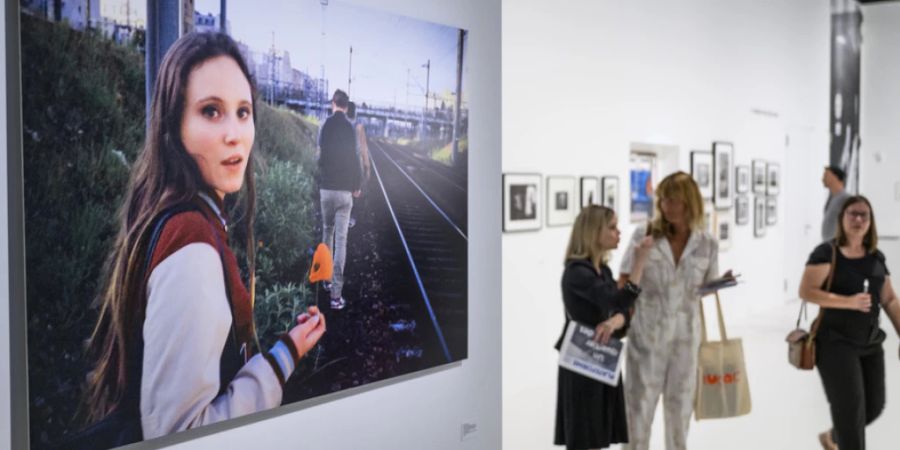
<point>854,384</point>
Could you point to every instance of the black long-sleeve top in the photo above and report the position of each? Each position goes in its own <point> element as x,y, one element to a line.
<point>590,297</point>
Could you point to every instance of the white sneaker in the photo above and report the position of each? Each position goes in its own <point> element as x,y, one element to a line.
<point>338,303</point>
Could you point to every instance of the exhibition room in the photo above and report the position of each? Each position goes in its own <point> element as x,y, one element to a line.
<point>400,224</point>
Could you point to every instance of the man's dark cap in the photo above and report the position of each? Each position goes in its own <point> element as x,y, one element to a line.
<point>340,98</point>
<point>838,172</point>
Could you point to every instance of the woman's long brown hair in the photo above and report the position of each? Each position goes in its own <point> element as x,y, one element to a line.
<point>164,175</point>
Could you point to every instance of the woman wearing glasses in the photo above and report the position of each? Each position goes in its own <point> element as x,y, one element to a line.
<point>849,354</point>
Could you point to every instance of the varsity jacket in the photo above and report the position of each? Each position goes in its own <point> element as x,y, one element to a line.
<point>195,369</point>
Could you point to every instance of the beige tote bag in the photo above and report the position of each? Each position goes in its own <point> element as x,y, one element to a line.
<point>722,386</point>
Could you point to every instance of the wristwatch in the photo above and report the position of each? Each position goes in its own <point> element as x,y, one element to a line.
<point>632,288</point>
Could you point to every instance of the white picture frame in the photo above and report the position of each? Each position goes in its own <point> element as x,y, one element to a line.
<point>561,201</point>
<point>741,210</point>
<point>701,172</point>
<point>771,210</point>
<point>742,179</point>
<point>610,194</point>
<point>589,191</point>
<point>522,202</point>
<point>759,216</point>
<point>723,173</point>
<point>758,177</point>
<point>773,179</point>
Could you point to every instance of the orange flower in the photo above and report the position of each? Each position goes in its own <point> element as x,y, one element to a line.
<point>322,266</point>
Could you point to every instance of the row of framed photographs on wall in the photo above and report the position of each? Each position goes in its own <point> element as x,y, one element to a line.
<point>722,182</point>
<point>524,201</point>
<point>721,225</point>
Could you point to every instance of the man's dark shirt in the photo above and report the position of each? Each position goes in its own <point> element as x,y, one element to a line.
<point>338,162</point>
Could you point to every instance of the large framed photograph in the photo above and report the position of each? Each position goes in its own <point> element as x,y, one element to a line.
<point>188,194</point>
<point>590,191</point>
<point>773,179</point>
<point>561,205</point>
<point>521,205</point>
<point>759,216</point>
<point>741,210</point>
<point>742,179</point>
<point>611,193</point>
<point>723,168</point>
<point>701,171</point>
<point>759,176</point>
<point>771,210</point>
<point>642,173</point>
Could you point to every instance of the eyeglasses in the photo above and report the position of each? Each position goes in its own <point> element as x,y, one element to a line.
<point>861,215</point>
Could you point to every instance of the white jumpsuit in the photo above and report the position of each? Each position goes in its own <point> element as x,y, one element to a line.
<point>664,338</point>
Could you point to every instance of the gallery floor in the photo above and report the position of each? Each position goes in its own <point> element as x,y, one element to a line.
<point>789,406</point>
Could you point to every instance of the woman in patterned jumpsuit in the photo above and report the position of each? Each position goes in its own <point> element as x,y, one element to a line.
<point>665,331</point>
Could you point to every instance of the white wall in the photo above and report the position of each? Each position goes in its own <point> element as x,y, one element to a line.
<point>424,411</point>
<point>582,80</point>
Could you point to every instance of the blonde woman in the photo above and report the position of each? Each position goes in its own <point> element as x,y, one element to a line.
<point>665,331</point>
<point>590,414</point>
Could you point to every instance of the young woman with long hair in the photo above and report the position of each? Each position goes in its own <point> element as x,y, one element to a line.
<point>173,344</point>
<point>590,414</point>
<point>849,354</point>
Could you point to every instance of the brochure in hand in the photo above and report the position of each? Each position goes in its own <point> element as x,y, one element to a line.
<point>582,355</point>
<point>726,281</point>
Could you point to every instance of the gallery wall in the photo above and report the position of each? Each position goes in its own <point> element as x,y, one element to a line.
<point>880,152</point>
<point>583,81</point>
<point>429,409</point>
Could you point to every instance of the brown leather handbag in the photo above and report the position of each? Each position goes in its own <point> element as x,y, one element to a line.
<point>802,344</point>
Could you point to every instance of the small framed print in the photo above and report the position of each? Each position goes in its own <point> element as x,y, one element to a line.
<point>741,210</point>
<point>742,179</point>
<point>701,171</point>
<point>561,205</point>
<point>590,191</point>
<point>759,176</point>
<point>709,218</point>
<point>759,216</point>
<point>723,168</point>
<point>773,179</point>
<point>611,193</point>
<point>724,230</point>
<point>521,202</point>
<point>771,210</point>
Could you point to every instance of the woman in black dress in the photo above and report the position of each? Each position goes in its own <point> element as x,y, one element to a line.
<point>849,354</point>
<point>590,414</point>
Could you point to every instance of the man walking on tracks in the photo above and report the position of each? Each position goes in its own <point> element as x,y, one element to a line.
<point>339,183</point>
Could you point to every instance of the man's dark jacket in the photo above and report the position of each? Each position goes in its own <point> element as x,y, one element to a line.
<point>338,162</point>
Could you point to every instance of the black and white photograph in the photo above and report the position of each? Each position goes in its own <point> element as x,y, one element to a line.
<point>759,176</point>
<point>590,191</point>
<point>709,217</point>
<point>701,170</point>
<point>610,193</point>
<point>773,179</point>
<point>742,179</point>
<point>561,204</point>
<point>771,210</point>
<point>723,170</point>
<point>521,205</point>
<point>724,230</point>
<point>759,216</point>
<point>741,210</point>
